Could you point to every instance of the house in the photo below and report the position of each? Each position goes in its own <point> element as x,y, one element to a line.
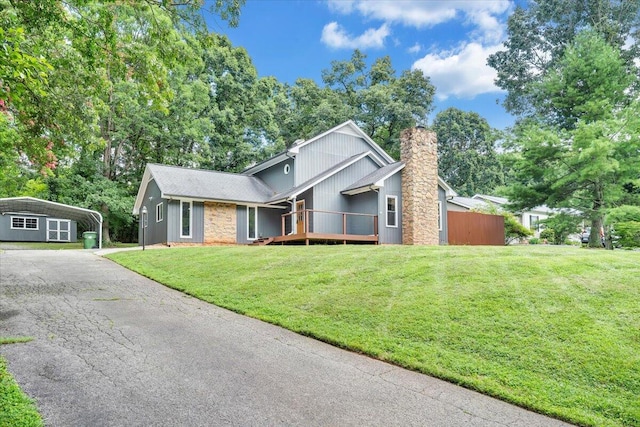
<point>27,219</point>
<point>339,186</point>
<point>530,218</point>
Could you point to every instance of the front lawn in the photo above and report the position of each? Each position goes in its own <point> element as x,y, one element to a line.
<point>16,408</point>
<point>554,329</point>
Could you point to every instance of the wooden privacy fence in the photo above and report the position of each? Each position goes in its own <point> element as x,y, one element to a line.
<point>473,228</point>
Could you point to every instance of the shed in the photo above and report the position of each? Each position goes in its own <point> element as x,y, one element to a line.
<point>27,219</point>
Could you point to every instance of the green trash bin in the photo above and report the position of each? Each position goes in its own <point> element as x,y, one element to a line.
<point>89,239</point>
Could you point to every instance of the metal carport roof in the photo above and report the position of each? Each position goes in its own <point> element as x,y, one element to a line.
<point>92,220</point>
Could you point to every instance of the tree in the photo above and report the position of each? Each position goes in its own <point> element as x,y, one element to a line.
<point>381,103</point>
<point>539,35</point>
<point>583,150</point>
<point>563,225</point>
<point>467,158</point>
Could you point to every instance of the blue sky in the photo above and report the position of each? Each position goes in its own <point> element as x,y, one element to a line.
<point>449,40</point>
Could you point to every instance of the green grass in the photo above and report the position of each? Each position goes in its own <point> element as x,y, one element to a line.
<point>553,329</point>
<point>16,408</point>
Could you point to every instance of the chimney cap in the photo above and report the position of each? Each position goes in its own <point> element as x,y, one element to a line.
<point>420,127</point>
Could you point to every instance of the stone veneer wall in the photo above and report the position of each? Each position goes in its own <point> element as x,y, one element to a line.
<point>418,150</point>
<point>219,223</point>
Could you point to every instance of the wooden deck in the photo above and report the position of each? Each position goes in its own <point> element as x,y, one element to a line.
<point>307,238</point>
<point>302,219</point>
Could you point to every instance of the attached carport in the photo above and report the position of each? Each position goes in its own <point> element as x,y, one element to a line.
<point>89,219</point>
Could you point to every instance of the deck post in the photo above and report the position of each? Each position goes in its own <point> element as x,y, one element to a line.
<point>306,222</point>
<point>344,223</point>
<point>283,221</point>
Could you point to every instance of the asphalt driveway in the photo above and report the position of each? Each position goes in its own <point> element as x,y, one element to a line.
<point>113,348</point>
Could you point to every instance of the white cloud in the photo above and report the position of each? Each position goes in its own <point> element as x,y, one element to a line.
<point>333,35</point>
<point>480,14</point>
<point>415,48</point>
<point>462,73</point>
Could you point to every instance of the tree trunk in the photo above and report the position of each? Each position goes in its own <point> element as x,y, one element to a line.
<point>595,237</point>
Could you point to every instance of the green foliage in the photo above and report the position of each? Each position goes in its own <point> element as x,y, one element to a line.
<point>534,241</point>
<point>562,225</point>
<point>628,234</point>
<point>584,147</point>
<point>467,158</point>
<point>549,235</point>
<point>549,27</point>
<point>380,102</point>
<point>554,329</point>
<point>623,214</point>
<point>16,408</point>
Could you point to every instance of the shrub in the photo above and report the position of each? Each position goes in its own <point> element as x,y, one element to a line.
<point>548,234</point>
<point>628,234</point>
<point>534,241</point>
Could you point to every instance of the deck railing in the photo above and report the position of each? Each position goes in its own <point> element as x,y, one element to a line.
<point>325,222</point>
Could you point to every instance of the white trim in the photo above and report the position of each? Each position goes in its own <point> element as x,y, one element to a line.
<point>387,211</point>
<point>58,231</point>
<point>24,223</point>
<point>255,223</point>
<point>226,202</point>
<point>160,212</point>
<point>355,129</point>
<point>440,215</point>
<point>184,236</point>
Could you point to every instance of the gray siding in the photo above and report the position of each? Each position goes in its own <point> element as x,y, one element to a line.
<point>7,234</point>
<point>275,177</point>
<point>269,223</point>
<point>442,197</point>
<point>326,152</point>
<point>392,187</point>
<point>327,197</point>
<point>156,232</point>
<point>173,223</point>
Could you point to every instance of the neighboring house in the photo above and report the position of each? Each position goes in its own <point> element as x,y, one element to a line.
<point>27,219</point>
<point>339,186</point>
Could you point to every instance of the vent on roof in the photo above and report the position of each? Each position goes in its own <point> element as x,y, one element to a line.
<point>298,141</point>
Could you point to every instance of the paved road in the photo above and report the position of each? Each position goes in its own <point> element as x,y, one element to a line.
<point>112,348</point>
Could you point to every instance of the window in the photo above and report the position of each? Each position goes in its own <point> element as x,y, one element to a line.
<point>439,215</point>
<point>185,209</point>
<point>392,211</point>
<point>252,222</point>
<point>159,212</point>
<point>534,222</point>
<point>24,223</point>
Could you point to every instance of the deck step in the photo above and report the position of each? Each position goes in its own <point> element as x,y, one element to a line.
<point>262,241</point>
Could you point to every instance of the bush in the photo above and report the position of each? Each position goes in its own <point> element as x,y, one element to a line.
<point>534,241</point>
<point>628,234</point>
<point>548,234</point>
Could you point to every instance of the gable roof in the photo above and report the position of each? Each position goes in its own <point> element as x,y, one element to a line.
<point>200,184</point>
<point>348,127</point>
<point>373,180</point>
<point>295,191</point>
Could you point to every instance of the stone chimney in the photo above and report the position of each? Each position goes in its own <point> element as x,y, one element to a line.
<point>419,152</point>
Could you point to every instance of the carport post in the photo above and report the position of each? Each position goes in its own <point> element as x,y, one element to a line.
<point>144,224</point>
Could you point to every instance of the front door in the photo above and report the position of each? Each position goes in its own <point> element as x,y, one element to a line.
<point>300,214</point>
<point>58,230</point>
